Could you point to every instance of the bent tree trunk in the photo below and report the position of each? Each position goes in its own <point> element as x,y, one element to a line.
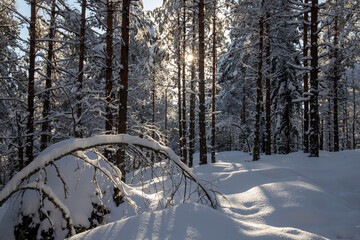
<point>23,180</point>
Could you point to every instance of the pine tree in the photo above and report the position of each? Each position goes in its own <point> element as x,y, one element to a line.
<point>202,122</point>
<point>256,151</point>
<point>178,62</point>
<point>267,85</point>
<point>109,67</point>
<point>31,86</point>
<point>124,72</point>
<point>12,93</point>
<point>183,119</point>
<point>79,94</point>
<point>336,79</point>
<point>306,80</point>
<point>192,96</point>
<point>213,99</point>
<point>314,105</point>
<point>46,128</point>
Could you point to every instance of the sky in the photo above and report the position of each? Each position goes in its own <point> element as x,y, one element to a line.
<point>148,5</point>
<point>24,9</point>
<point>151,4</point>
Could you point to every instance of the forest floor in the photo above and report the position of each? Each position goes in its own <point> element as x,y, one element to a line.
<point>279,197</point>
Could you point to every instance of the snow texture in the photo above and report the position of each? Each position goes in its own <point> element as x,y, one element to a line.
<point>279,197</point>
<point>64,148</point>
<point>72,187</point>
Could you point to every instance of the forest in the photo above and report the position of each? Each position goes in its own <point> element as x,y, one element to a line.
<point>197,76</point>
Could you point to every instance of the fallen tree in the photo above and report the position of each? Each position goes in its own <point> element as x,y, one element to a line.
<point>168,178</point>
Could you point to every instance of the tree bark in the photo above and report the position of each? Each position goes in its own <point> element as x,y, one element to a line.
<point>202,121</point>
<point>45,128</point>
<point>268,88</point>
<point>306,82</point>
<point>256,151</point>
<point>329,128</point>
<point>109,69</point>
<point>184,145</point>
<point>153,107</point>
<point>166,111</point>
<point>243,111</point>
<point>321,135</point>
<point>314,92</point>
<point>78,131</point>
<point>178,56</point>
<point>124,72</point>
<point>192,100</point>
<point>123,90</point>
<point>213,100</point>
<point>336,79</point>
<point>77,128</point>
<point>354,112</point>
<point>20,141</point>
<point>31,86</point>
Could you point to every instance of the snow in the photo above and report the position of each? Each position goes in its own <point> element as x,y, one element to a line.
<point>279,197</point>
<point>72,186</point>
<point>66,147</point>
<point>81,193</point>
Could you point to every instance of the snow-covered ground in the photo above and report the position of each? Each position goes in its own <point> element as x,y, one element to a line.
<point>279,197</point>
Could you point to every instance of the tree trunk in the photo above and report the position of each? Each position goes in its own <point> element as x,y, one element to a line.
<point>345,139</point>
<point>330,127</point>
<point>321,135</point>
<point>256,151</point>
<point>306,82</point>
<point>314,92</point>
<point>178,56</point>
<point>20,141</point>
<point>78,131</point>
<point>202,121</point>
<point>153,108</point>
<point>184,145</point>
<point>287,133</point>
<point>243,112</point>
<point>336,79</point>
<point>124,72</point>
<point>354,111</point>
<point>166,111</point>
<point>165,114</point>
<point>213,102</point>
<point>268,88</point>
<point>31,89</point>
<point>192,100</point>
<point>109,70</point>
<point>45,128</point>
<point>123,90</point>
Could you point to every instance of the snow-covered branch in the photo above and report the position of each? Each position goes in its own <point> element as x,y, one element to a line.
<point>167,161</point>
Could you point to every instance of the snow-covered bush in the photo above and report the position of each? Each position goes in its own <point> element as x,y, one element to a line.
<point>71,187</point>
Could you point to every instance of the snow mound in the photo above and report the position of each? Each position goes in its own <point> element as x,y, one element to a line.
<point>279,197</point>
<point>186,221</point>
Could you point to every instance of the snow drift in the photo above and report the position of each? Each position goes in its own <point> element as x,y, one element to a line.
<point>279,197</point>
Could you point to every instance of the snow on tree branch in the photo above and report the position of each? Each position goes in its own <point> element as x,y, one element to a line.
<point>139,147</point>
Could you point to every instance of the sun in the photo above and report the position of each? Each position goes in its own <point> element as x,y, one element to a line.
<point>190,58</point>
